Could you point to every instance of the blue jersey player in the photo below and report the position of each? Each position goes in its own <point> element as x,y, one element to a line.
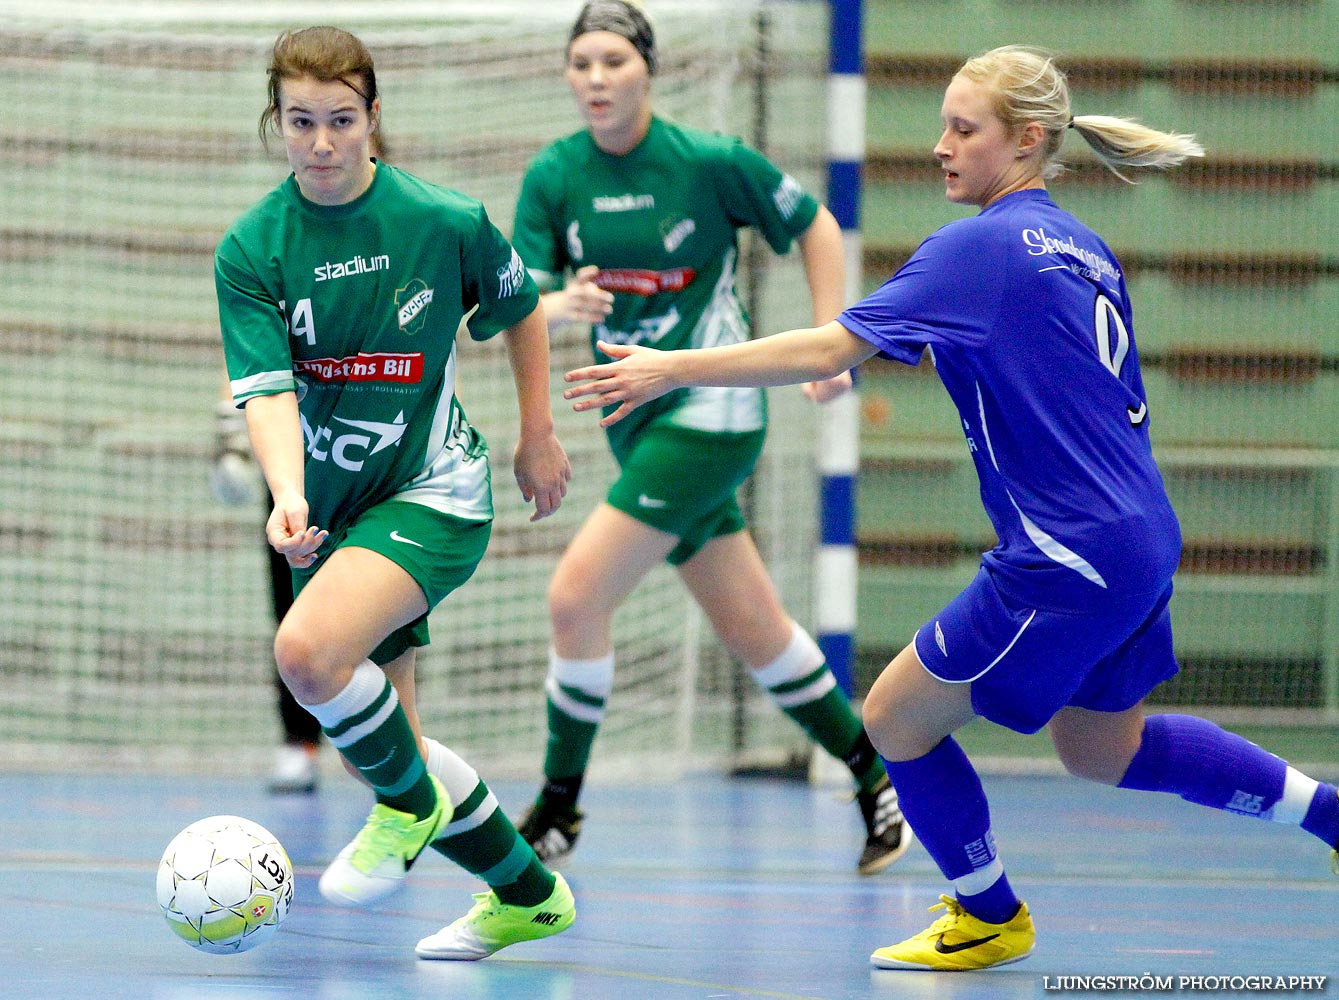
<point>1024,311</point>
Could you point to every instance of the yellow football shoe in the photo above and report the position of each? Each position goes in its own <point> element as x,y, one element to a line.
<point>958,941</point>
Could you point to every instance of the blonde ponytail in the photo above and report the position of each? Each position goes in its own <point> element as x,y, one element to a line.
<point>1029,87</point>
<point>1121,142</point>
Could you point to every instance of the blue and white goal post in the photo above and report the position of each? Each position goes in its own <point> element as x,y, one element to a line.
<point>836,571</point>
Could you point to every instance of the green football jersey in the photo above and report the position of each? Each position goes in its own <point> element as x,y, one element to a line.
<point>661,223</point>
<point>355,308</point>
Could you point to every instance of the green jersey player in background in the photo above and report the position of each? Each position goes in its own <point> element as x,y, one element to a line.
<point>340,296</point>
<point>643,215</point>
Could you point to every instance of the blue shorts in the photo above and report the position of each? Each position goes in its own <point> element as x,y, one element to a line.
<point>1025,664</point>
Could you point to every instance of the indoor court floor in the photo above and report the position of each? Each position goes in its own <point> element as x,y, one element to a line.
<point>708,887</point>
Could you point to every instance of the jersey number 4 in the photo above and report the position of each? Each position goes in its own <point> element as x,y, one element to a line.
<point>300,324</point>
<point>1113,343</point>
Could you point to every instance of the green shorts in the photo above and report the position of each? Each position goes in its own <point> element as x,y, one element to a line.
<point>683,482</point>
<point>440,551</point>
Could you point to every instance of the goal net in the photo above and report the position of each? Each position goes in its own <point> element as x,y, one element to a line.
<point>137,627</point>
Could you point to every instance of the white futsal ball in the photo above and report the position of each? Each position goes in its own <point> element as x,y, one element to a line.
<point>224,884</point>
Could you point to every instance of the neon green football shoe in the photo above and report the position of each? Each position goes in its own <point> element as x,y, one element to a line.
<point>374,863</point>
<point>492,925</point>
<point>958,941</point>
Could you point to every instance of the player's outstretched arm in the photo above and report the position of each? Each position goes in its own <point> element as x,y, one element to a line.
<point>640,374</point>
<point>541,465</point>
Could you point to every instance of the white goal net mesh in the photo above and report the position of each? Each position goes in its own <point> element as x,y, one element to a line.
<point>136,622</point>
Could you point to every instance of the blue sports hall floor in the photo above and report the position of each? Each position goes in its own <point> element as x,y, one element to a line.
<point>710,887</point>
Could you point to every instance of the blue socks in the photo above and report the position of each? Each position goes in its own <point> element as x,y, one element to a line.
<point>1195,759</point>
<point>1322,816</point>
<point>943,801</point>
<point>1202,763</point>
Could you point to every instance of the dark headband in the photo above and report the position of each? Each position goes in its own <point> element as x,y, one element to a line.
<point>622,18</point>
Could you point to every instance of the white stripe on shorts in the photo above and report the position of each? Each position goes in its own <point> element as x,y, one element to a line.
<point>967,680</point>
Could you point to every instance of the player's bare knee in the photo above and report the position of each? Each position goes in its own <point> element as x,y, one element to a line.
<point>575,610</point>
<point>300,664</point>
<point>1090,763</point>
<point>1096,746</point>
<point>885,702</point>
<point>567,610</point>
<point>880,725</point>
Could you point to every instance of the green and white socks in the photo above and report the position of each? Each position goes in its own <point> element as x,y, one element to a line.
<point>480,838</point>
<point>800,683</point>
<point>578,691</point>
<point>366,724</point>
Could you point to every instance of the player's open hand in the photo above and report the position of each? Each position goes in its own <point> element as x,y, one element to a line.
<point>542,473</point>
<point>639,375</point>
<point>290,535</point>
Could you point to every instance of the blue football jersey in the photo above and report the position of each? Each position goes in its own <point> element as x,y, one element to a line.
<point>1026,317</point>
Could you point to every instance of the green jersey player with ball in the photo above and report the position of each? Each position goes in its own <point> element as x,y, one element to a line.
<point>340,296</point>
